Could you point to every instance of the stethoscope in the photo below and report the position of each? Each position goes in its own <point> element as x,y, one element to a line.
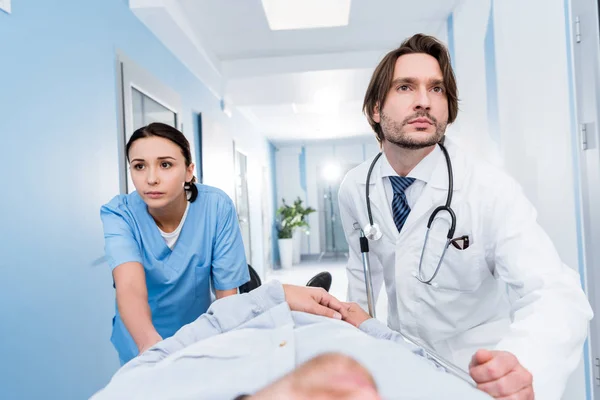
<point>372,232</point>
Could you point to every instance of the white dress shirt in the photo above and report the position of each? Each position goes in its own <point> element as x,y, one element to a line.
<point>421,172</point>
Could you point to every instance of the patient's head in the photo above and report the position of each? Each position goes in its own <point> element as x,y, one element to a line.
<point>328,376</point>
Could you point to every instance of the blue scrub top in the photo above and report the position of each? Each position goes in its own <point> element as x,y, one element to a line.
<point>209,247</point>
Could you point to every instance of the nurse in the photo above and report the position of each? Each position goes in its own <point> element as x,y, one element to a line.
<point>167,242</point>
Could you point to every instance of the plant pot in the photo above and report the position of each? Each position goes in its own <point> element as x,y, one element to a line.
<point>286,252</point>
<point>297,237</point>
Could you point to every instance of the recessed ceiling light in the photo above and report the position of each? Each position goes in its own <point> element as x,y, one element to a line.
<point>306,14</point>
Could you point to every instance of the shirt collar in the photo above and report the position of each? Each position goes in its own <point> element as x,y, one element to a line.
<point>422,171</point>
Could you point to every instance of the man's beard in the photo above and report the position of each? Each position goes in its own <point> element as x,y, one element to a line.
<point>395,132</point>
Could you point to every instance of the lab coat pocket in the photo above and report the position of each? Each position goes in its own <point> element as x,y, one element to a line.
<point>460,270</point>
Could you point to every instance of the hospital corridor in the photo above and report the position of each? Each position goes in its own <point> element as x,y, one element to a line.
<point>300,199</point>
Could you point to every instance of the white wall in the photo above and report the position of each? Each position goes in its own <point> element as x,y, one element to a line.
<point>533,107</point>
<point>471,127</point>
<point>344,152</point>
<point>288,174</point>
<point>218,135</point>
<point>536,135</point>
<point>317,155</point>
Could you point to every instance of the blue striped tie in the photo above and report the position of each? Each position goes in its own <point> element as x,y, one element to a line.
<point>400,207</point>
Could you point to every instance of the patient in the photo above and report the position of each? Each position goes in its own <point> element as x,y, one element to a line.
<point>284,342</point>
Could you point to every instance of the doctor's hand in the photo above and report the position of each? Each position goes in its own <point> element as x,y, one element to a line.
<point>499,374</point>
<point>354,314</point>
<point>312,300</point>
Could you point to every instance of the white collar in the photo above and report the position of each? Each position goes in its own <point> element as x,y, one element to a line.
<point>178,229</point>
<point>422,171</point>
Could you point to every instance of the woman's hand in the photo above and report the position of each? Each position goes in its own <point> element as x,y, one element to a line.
<point>150,341</point>
<point>132,300</point>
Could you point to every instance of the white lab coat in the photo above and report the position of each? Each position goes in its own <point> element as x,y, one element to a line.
<point>545,324</point>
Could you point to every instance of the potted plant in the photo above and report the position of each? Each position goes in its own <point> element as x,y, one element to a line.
<point>301,230</point>
<point>290,217</point>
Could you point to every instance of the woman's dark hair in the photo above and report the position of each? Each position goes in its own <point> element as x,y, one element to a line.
<point>168,132</point>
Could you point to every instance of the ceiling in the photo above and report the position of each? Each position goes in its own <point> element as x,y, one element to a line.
<point>291,84</point>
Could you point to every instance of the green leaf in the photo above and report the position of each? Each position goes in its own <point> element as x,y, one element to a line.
<point>291,217</point>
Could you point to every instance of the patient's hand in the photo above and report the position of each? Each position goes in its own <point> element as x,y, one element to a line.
<point>312,300</point>
<point>499,374</point>
<point>354,314</point>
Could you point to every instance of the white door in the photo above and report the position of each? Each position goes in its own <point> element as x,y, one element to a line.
<point>585,42</point>
<point>267,223</point>
<point>242,200</point>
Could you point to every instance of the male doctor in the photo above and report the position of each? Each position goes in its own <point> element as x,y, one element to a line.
<point>512,349</point>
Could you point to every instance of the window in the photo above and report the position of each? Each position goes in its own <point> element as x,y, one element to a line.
<point>146,110</point>
<point>143,99</point>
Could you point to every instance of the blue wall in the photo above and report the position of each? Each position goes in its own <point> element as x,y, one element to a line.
<point>450,28</point>
<point>58,135</point>
<point>491,79</point>
<point>274,231</point>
